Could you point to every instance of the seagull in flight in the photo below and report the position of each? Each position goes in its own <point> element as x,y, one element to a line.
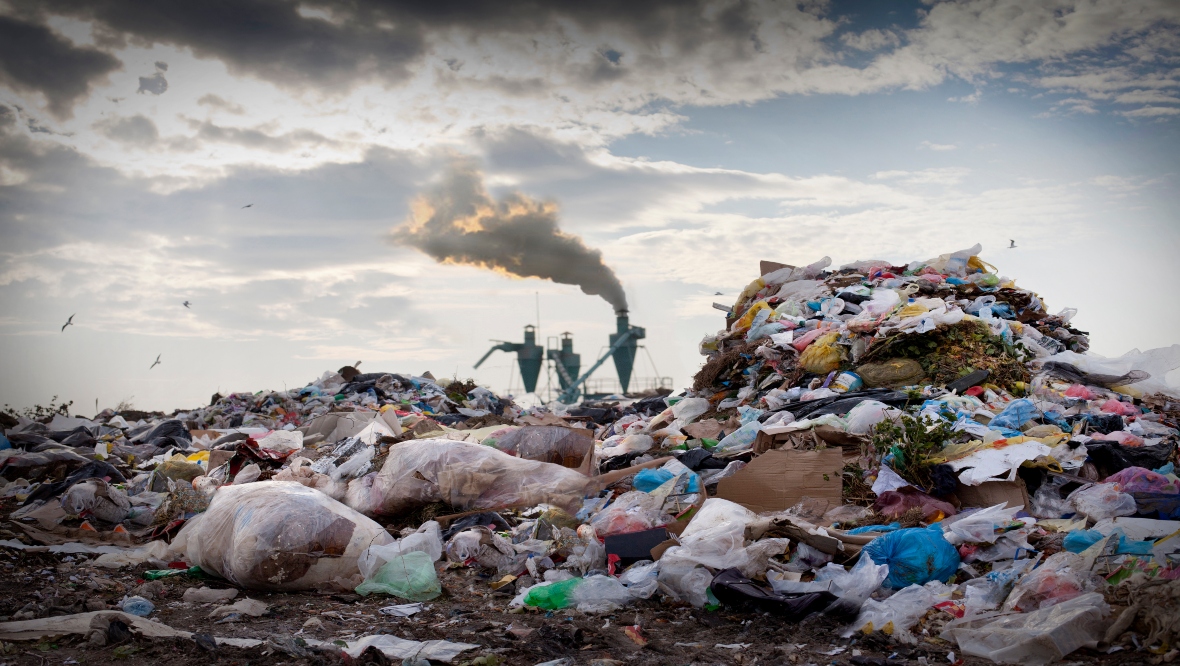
<point>247,205</point>
<point>186,304</point>
<point>718,294</point>
<point>1013,243</point>
<point>157,361</point>
<point>69,322</point>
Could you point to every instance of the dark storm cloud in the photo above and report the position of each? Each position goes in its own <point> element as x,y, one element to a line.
<point>458,222</point>
<point>137,130</point>
<point>334,45</point>
<point>34,58</point>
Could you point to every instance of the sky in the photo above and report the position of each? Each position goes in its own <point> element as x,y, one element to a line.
<point>657,148</point>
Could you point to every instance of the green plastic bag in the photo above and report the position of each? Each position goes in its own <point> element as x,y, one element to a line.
<point>553,597</point>
<point>410,576</point>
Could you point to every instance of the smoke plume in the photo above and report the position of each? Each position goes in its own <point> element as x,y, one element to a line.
<point>457,222</point>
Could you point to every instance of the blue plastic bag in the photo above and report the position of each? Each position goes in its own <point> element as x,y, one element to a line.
<point>648,480</point>
<point>1016,414</point>
<point>4,443</point>
<point>915,556</point>
<point>1079,540</point>
<point>891,527</point>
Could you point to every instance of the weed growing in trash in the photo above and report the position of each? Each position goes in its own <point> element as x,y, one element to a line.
<point>911,441</point>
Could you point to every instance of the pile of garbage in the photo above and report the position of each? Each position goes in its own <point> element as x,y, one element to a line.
<point>920,452</point>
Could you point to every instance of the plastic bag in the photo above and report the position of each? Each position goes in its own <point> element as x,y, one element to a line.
<point>863,417</point>
<point>466,476</point>
<point>979,527</point>
<point>1061,577</point>
<point>276,535</point>
<point>1038,637</point>
<point>98,498</point>
<point>409,576</point>
<point>823,355</point>
<point>894,616</point>
<point>588,554</point>
<point>427,539</point>
<point>1156,363</point>
<point>740,439</point>
<point>852,587</point>
<point>894,372</point>
<point>600,594</point>
<point>914,555</point>
<point>1142,480</point>
<point>685,579</point>
<point>1102,500</point>
<point>988,592</point>
<point>1047,501</point>
<point>1014,415</point>
<point>633,511</point>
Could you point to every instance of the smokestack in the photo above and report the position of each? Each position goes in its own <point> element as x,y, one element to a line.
<point>457,222</point>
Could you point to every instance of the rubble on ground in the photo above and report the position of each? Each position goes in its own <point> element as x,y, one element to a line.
<point>874,464</point>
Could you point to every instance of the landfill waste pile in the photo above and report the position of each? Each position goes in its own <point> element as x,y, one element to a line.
<point>875,464</point>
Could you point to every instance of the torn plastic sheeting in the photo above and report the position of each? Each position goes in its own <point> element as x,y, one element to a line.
<point>466,476</point>
<point>400,648</point>
<point>79,623</point>
<point>109,556</point>
<point>277,535</point>
<point>1157,363</point>
<point>1038,637</point>
<point>733,589</point>
<point>986,464</point>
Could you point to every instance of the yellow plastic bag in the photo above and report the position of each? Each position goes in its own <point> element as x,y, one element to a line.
<point>823,355</point>
<point>743,324</point>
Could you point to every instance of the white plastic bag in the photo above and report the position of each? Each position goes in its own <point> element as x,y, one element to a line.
<point>1101,501</point>
<point>277,535</point>
<point>427,539</point>
<point>980,526</point>
<point>1039,637</point>
<point>899,612</point>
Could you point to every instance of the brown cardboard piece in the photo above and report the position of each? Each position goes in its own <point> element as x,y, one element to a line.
<point>217,458</point>
<point>809,439</point>
<point>991,493</point>
<point>778,479</point>
<point>767,267</point>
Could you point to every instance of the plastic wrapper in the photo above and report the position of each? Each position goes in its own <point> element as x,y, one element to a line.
<point>588,554</point>
<point>274,535</point>
<point>409,576</point>
<point>300,472</point>
<point>466,476</point>
<point>1061,577</point>
<point>989,591</point>
<point>914,555</point>
<point>1039,637</point>
<point>1102,500</point>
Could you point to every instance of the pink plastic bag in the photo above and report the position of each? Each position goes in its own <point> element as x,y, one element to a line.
<point>1113,406</point>
<point>1121,436</point>
<point>1079,391</point>
<point>1142,480</point>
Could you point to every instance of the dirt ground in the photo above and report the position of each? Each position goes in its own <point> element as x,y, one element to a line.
<point>468,611</point>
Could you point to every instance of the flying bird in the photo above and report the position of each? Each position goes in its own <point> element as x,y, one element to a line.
<point>69,322</point>
<point>157,361</point>
<point>247,205</point>
<point>1013,243</point>
<point>718,294</point>
<point>186,304</point>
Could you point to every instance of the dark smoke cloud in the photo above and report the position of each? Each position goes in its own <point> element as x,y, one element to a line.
<point>458,222</point>
<point>33,57</point>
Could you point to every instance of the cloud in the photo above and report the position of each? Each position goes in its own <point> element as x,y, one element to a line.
<point>938,176</point>
<point>34,58</point>
<point>137,130</point>
<point>216,102</point>
<point>870,40</point>
<point>939,147</point>
<point>255,137</point>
